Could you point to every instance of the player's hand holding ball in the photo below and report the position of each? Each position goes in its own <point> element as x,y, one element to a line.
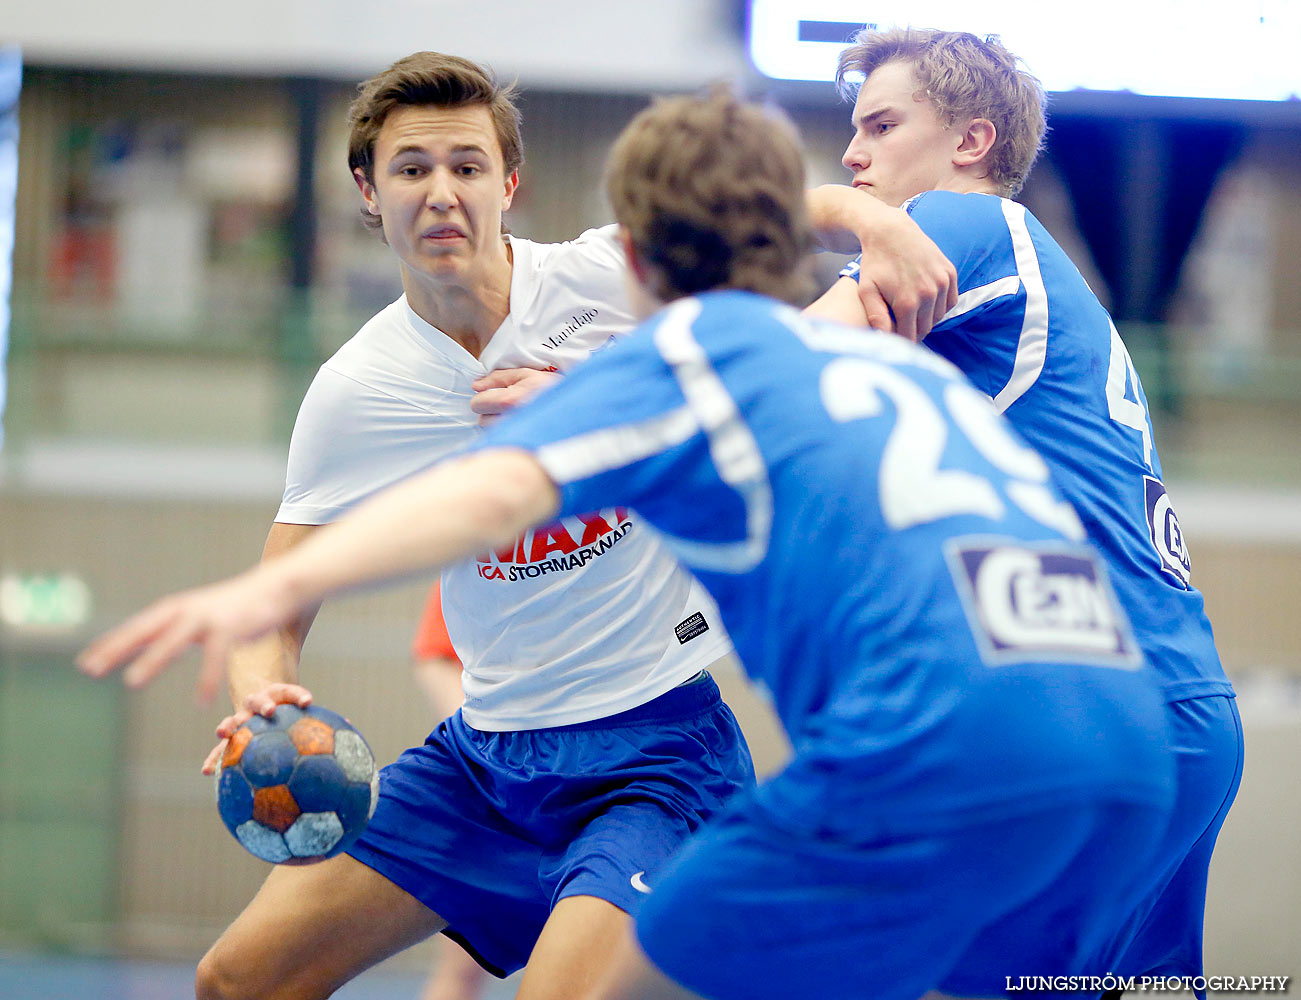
<point>296,785</point>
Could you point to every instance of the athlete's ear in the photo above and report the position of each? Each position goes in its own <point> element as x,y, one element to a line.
<point>977,140</point>
<point>367,190</point>
<point>512,182</point>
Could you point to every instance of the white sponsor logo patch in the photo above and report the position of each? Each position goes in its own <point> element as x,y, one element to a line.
<point>1039,601</point>
<point>1167,537</point>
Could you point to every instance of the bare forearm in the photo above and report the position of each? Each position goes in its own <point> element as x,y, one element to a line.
<point>844,220</point>
<point>274,658</point>
<point>451,512</point>
<point>905,283</point>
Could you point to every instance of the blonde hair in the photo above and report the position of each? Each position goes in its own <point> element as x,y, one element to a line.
<point>711,192</point>
<point>963,77</point>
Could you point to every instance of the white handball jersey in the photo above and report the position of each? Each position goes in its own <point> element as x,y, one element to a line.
<point>574,621</point>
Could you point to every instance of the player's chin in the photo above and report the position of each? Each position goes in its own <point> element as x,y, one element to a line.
<point>442,261</point>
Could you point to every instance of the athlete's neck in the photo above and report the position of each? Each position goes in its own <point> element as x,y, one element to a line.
<point>969,181</point>
<point>467,307</point>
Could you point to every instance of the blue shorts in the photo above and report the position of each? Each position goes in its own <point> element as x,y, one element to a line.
<point>751,909</point>
<point>1164,937</point>
<point>490,830</point>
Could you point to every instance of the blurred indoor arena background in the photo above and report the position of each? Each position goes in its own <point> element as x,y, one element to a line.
<point>187,250</point>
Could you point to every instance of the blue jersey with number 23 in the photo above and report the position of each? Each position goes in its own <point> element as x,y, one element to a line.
<point>891,560</point>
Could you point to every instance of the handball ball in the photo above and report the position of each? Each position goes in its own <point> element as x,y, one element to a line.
<point>298,787</point>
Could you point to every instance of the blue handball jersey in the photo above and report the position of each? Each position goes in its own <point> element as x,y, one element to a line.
<point>890,559</point>
<point>1031,335</point>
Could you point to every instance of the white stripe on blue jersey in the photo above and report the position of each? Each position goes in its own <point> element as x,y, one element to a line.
<point>598,451</point>
<point>1032,346</point>
<point>731,444</point>
<point>974,297</point>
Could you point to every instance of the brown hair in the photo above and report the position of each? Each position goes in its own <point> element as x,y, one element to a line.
<point>963,77</point>
<point>430,78</point>
<point>711,191</point>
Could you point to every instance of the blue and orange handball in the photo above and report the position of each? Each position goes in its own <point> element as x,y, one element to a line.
<point>298,787</point>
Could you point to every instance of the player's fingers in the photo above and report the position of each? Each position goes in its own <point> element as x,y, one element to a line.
<point>227,726</point>
<point>489,401</point>
<point>260,703</point>
<point>183,632</point>
<point>289,694</point>
<point>500,378</point>
<point>214,758</point>
<point>924,318</point>
<point>874,306</point>
<point>265,700</point>
<point>118,645</point>
<point>905,309</point>
<point>946,297</point>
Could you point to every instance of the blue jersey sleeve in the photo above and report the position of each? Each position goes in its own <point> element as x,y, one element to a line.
<point>972,232</point>
<point>617,431</point>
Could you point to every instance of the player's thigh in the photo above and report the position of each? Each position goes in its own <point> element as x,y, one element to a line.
<point>312,928</point>
<point>631,976</point>
<point>575,950</point>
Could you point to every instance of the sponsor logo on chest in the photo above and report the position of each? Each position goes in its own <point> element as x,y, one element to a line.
<point>556,548</point>
<point>576,323</point>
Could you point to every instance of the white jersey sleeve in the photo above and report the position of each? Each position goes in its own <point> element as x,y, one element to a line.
<point>384,407</point>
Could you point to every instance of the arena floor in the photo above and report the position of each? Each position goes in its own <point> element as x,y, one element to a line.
<point>51,977</point>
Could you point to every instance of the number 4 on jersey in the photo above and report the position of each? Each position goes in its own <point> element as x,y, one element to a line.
<point>1121,375</point>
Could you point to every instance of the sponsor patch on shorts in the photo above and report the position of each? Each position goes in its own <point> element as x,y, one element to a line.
<point>692,627</point>
<point>1039,601</point>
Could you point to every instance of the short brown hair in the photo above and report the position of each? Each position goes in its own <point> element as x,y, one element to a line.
<point>430,78</point>
<point>711,191</point>
<point>963,77</point>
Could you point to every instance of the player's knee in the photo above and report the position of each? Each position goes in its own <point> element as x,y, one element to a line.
<point>219,977</point>
<point>211,982</point>
<point>224,974</point>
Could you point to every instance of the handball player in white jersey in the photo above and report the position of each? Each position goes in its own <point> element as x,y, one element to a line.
<point>591,742</point>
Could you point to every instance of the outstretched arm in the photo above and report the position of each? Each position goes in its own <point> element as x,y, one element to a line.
<point>906,283</point>
<point>450,512</point>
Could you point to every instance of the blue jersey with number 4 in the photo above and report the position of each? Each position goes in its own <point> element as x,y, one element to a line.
<point>890,559</point>
<point>1030,334</point>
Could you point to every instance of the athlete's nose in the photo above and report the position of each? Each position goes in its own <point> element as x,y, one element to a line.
<point>855,158</point>
<point>441,192</point>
